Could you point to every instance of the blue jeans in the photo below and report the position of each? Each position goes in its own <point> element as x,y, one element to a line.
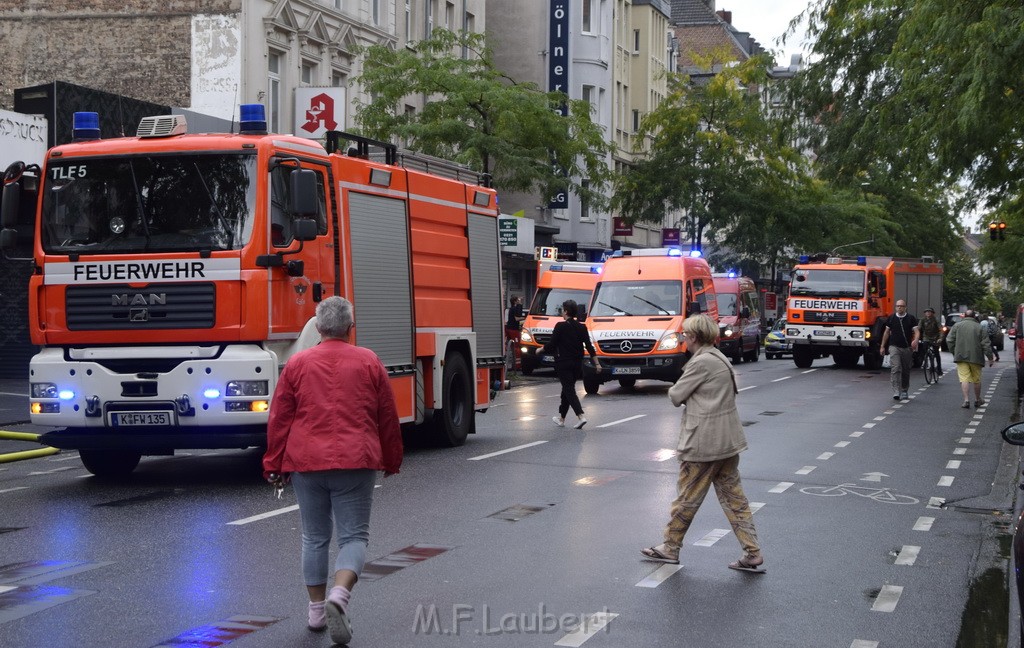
<point>348,494</point>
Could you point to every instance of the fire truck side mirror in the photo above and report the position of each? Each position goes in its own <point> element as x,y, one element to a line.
<point>10,204</point>
<point>304,229</point>
<point>303,194</point>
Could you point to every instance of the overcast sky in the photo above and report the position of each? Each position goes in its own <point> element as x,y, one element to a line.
<point>766,20</point>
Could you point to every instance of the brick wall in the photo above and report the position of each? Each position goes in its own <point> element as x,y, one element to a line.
<point>137,48</point>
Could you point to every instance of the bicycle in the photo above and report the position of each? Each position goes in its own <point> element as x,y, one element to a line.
<point>930,363</point>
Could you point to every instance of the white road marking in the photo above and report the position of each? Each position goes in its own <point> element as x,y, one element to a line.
<point>809,371</point>
<point>945,480</point>
<point>7,588</point>
<point>663,455</point>
<point>879,418</point>
<point>863,643</point>
<point>590,627</point>
<point>896,407</point>
<point>746,388</point>
<point>924,523</point>
<point>659,576</point>
<point>825,456</point>
<point>712,537</point>
<point>631,418</point>
<point>889,411</point>
<point>51,471</point>
<point>936,502</point>
<point>978,418</point>
<point>868,425</point>
<point>268,514</point>
<point>908,555</point>
<point>781,487</point>
<point>783,378</point>
<point>959,451</point>
<point>887,599</point>
<point>501,452</point>
<point>964,440</point>
<point>857,433</point>
<point>969,431</point>
<point>952,464</point>
<point>11,490</point>
<point>756,506</point>
<point>806,470</point>
<point>73,456</point>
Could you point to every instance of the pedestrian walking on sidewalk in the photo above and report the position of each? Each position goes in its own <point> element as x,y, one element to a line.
<point>568,340</point>
<point>968,341</point>
<point>710,442</point>
<point>900,342</point>
<point>333,424</point>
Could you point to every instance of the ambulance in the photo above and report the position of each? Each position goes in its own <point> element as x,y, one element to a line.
<point>637,312</point>
<point>558,282</point>
<point>739,317</point>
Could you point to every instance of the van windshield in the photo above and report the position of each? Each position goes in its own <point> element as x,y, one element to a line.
<point>727,305</point>
<point>637,298</point>
<point>548,301</point>
<point>828,283</point>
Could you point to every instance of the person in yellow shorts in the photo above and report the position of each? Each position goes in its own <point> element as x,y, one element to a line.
<point>970,345</point>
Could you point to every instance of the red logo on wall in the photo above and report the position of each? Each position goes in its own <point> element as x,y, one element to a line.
<point>320,113</point>
<point>621,227</point>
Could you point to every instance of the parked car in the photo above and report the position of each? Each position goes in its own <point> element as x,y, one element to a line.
<point>1014,434</point>
<point>1016,333</point>
<point>775,342</point>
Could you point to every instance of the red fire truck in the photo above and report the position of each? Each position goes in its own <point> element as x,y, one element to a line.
<point>175,274</point>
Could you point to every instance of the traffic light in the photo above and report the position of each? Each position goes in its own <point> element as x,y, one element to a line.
<point>1002,230</point>
<point>993,231</point>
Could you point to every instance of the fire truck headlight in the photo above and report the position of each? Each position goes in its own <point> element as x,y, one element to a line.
<point>669,342</point>
<point>247,388</point>
<point>525,336</point>
<point>857,334</point>
<point>44,390</point>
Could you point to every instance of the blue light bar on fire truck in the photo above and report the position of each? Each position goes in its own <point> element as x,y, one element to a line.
<point>595,269</point>
<point>85,126</point>
<point>253,119</point>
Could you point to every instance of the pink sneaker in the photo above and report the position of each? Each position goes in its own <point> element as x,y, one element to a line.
<point>338,621</point>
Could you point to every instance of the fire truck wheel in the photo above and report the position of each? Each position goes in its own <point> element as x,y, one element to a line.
<point>453,421</point>
<point>109,464</point>
<point>802,357</point>
<point>591,386</point>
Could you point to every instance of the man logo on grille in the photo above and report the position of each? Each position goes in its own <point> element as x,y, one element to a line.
<point>626,346</point>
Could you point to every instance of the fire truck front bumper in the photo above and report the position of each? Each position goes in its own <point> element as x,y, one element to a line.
<point>666,367</point>
<point>833,336</point>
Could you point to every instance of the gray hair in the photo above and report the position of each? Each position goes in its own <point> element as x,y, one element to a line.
<point>334,317</point>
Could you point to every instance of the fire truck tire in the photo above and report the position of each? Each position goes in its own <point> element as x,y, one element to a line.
<point>454,420</point>
<point>802,357</point>
<point>591,386</point>
<point>109,464</point>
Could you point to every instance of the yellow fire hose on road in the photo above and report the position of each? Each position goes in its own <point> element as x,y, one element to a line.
<point>26,454</point>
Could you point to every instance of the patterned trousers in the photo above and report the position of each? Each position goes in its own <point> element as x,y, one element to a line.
<point>695,478</point>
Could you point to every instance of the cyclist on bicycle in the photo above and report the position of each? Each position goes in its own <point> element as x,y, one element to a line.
<point>931,336</point>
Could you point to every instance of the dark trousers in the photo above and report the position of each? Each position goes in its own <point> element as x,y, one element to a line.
<point>567,376</point>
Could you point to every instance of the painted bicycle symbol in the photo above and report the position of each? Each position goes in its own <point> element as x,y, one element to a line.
<point>878,494</point>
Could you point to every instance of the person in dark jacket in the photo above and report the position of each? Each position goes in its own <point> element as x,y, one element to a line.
<point>567,342</point>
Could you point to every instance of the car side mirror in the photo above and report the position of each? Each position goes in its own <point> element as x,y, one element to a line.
<point>1014,434</point>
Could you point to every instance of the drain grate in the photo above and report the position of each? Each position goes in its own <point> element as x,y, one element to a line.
<point>519,511</point>
<point>769,413</point>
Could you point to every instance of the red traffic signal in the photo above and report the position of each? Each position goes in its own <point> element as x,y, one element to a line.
<point>1002,230</point>
<point>993,231</point>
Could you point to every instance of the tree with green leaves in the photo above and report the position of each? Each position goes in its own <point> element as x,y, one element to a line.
<point>478,116</point>
<point>962,284</point>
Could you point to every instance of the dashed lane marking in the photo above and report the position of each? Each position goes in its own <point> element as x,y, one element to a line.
<point>868,425</point>
<point>630,418</point>
<point>501,452</point>
<point>783,378</point>
<point>263,516</point>
<point>809,371</point>
<point>857,433</point>
<point>952,464</point>
<point>590,627</point>
<point>964,440</point>
<point>863,643</point>
<point>842,444</point>
<point>711,538</point>
<point>11,490</point>
<point>959,451</point>
<point>806,470</point>
<point>945,480</point>
<point>659,576</point>
<point>936,502</point>
<point>879,418</point>
<point>825,456</point>
<point>908,555</point>
<point>51,471</point>
<point>924,523</point>
<point>746,388</point>
<point>887,598</point>
<point>781,487</point>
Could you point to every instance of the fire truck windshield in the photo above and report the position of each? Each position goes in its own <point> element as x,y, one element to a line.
<point>828,283</point>
<point>637,298</point>
<point>155,203</point>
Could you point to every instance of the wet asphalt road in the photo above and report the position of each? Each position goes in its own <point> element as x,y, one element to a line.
<point>529,534</point>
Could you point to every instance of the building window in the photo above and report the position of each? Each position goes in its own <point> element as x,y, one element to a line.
<point>636,41</point>
<point>338,80</point>
<point>408,21</point>
<point>588,96</point>
<point>274,65</point>
<point>308,73</point>
<point>470,23</point>
<point>428,24</point>
<point>376,11</point>
<point>449,16</point>
<point>337,5</point>
<point>585,216</point>
<point>587,15</point>
<point>636,120</point>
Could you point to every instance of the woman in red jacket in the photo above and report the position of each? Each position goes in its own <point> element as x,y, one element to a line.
<point>333,424</point>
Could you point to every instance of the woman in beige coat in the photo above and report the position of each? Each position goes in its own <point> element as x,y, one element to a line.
<point>709,445</point>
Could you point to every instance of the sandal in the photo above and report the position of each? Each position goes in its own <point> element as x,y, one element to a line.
<point>748,563</point>
<point>655,554</point>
